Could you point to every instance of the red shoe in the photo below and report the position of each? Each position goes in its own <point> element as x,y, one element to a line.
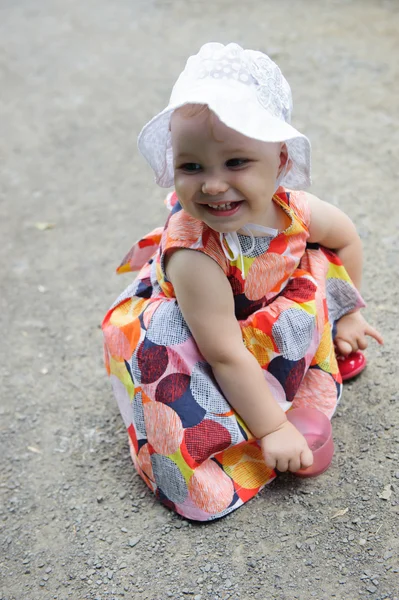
<point>351,365</point>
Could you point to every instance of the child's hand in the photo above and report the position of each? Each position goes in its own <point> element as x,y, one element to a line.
<point>286,449</point>
<point>352,332</point>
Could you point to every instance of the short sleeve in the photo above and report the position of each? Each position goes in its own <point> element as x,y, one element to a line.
<point>300,205</point>
<point>184,232</point>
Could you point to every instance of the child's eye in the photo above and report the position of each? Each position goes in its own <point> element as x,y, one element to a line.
<point>190,167</point>
<point>236,162</point>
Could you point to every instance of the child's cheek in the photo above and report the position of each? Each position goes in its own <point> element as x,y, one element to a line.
<point>180,184</point>
<point>184,186</point>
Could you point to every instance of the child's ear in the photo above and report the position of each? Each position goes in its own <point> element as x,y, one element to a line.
<point>285,162</point>
<point>283,155</point>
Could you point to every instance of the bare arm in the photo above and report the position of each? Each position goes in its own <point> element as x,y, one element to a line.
<point>333,229</point>
<point>207,304</point>
<point>206,301</point>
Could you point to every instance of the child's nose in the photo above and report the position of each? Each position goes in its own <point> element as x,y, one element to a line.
<point>214,186</point>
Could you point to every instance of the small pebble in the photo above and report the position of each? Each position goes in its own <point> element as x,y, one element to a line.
<point>251,563</point>
<point>134,541</point>
<point>371,589</point>
<point>123,529</point>
<point>362,542</point>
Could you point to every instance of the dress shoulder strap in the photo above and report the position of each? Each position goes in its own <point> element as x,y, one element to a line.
<point>298,203</point>
<point>184,231</point>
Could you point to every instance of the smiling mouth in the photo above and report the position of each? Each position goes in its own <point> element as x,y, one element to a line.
<point>227,208</point>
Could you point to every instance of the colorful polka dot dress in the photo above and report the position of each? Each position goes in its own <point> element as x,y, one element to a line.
<point>187,443</point>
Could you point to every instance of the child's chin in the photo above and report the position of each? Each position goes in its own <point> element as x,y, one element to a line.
<point>225,229</point>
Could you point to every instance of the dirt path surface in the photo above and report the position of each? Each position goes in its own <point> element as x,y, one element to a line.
<point>78,80</point>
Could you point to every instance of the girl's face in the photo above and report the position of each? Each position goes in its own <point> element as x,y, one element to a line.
<point>222,177</point>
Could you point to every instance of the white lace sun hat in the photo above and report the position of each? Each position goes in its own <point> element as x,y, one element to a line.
<point>247,92</point>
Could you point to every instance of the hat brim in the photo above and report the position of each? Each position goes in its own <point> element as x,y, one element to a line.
<point>247,118</point>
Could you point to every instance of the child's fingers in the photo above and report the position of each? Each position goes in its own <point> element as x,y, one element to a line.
<point>372,332</point>
<point>270,461</point>
<point>343,347</point>
<point>282,465</point>
<point>306,458</point>
<point>362,342</point>
<point>294,464</point>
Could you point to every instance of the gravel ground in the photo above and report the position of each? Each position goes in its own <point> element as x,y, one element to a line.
<point>78,79</point>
